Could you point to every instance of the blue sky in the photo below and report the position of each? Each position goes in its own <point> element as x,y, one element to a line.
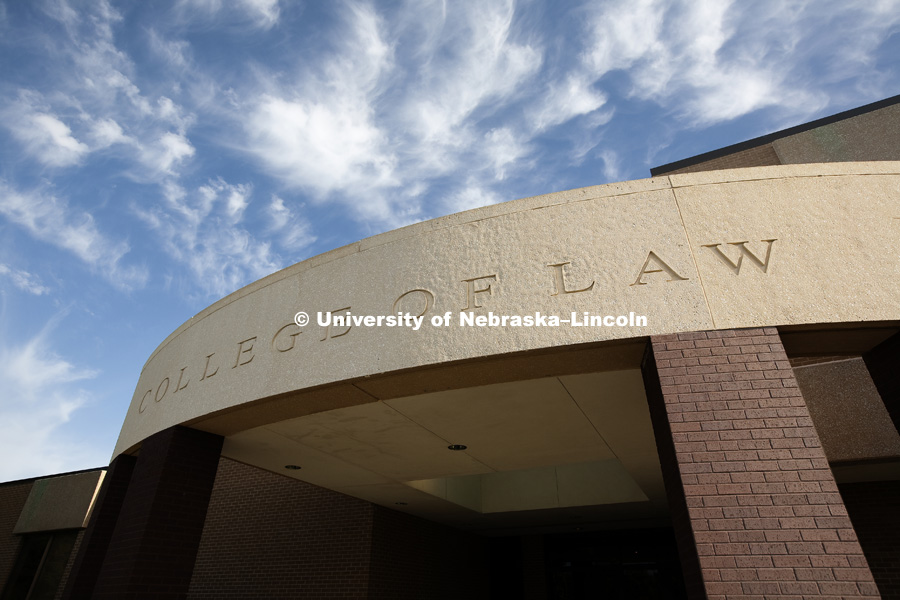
<point>156,156</point>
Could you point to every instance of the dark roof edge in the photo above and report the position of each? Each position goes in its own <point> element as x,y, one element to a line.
<point>771,137</point>
<point>32,479</point>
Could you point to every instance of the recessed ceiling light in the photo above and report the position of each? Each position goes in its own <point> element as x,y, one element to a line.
<point>456,447</point>
<point>292,467</point>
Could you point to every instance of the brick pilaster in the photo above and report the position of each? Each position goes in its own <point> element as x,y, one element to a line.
<point>759,512</point>
<point>154,545</point>
<point>883,362</point>
<point>93,546</point>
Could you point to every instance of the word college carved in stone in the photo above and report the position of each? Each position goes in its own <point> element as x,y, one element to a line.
<point>285,338</point>
<point>769,246</point>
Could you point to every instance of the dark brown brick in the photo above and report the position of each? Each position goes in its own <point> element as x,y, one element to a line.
<point>777,507</point>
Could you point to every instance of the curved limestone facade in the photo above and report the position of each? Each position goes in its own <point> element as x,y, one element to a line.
<point>768,246</point>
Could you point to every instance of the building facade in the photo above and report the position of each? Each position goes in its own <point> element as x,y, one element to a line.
<point>678,387</point>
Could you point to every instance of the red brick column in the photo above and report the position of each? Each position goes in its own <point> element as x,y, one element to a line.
<point>154,545</point>
<point>755,507</point>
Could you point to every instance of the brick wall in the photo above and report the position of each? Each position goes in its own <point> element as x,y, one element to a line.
<point>275,537</point>
<point>69,564</point>
<point>154,544</point>
<point>874,508</point>
<point>90,548</point>
<point>759,156</point>
<point>764,514</point>
<point>12,498</point>
<point>268,536</point>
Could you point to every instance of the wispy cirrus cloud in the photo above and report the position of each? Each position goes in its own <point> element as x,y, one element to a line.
<point>711,61</point>
<point>25,281</point>
<point>217,139</point>
<point>361,124</point>
<point>43,135</point>
<point>203,229</point>
<point>318,133</point>
<point>292,230</point>
<point>387,119</point>
<point>397,112</point>
<point>52,220</point>
<point>94,103</point>
<point>257,13</point>
<point>563,100</point>
<point>41,392</point>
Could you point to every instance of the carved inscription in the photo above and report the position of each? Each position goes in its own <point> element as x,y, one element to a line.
<point>165,389</point>
<point>424,297</point>
<point>280,345</point>
<point>743,251</point>
<point>178,386</point>
<point>559,280</point>
<point>472,291</point>
<point>420,301</point>
<point>330,331</point>
<point>663,268</point>
<point>242,350</point>
<point>206,373</point>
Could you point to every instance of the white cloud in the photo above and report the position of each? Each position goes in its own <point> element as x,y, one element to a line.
<point>397,106</point>
<point>612,170</point>
<point>260,13</point>
<point>24,280</point>
<point>41,393</point>
<point>565,100</point>
<point>202,230</point>
<point>320,134</point>
<point>294,232</point>
<point>360,129</point>
<point>625,33</point>
<point>52,220</point>
<point>279,214</point>
<point>93,69</point>
<point>323,146</point>
<point>165,154</point>
<point>474,62</point>
<point>714,60</point>
<point>93,102</point>
<point>175,53</point>
<point>471,196</point>
<point>503,149</point>
<point>106,132</point>
<point>50,140</point>
<point>45,137</point>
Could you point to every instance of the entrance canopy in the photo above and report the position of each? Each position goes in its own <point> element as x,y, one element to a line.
<point>531,319</point>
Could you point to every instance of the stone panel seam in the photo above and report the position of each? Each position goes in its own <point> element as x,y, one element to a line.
<point>690,243</point>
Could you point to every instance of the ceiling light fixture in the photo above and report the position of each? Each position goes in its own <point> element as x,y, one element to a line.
<point>292,467</point>
<point>456,447</point>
